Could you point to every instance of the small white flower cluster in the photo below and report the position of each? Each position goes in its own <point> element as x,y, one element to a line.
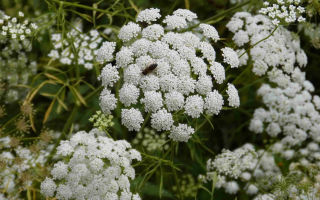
<point>281,49</point>
<point>11,27</point>
<point>307,154</point>
<point>15,66</point>
<point>290,109</point>
<point>76,47</point>
<point>96,167</point>
<point>300,182</point>
<point>15,163</point>
<point>166,69</point>
<point>151,140</point>
<point>244,167</point>
<point>287,11</point>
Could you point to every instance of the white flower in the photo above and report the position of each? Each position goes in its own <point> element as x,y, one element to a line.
<point>109,75</point>
<point>181,133</point>
<point>174,101</point>
<point>105,53</point>
<point>132,119</point>
<point>280,50</point>
<point>83,174</point>
<point>152,101</point>
<point>175,22</point>
<point>169,61</point>
<point>194,106</point>
<point>129,94</point>
<point>204,85</point>
<point>129,31</point>
<point>232,187</point>
<point>285,10</point>
<point>218,72</point>
<point>86,45</point>
<point>108,101</point>
<point>209,32</point>
<point>233,96</point>
<point>161,120</point>
<point>252,189</point>
<point>185,13</point>
<point>48,187</point>
<point>153,32</point>
<point>124,57</point>
<point>230,57</point>
<point>213,103</point>
<point>148,15</point>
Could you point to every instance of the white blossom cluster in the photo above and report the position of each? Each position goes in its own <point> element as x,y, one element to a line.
<point>96,167</point>
<point>288,11</point>
<point>16,27</point>
<point>164,69</point>
<point>76,47</point>
<point>151,140</point>
<point>304,186</point>
<point>15,65</point>
<point>268,48</point>
<point>16,163</point>
<point>290,109</point>
<point>244,167</point>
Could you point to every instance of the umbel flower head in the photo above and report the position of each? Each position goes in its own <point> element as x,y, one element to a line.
<point>270,48</point>
<point>287,11</point>
<point>18,166</point>
<point>96,167</point>
<point>290,109</point>
<point>15,65</point>
<point>244,168</point>
<point>85,43</point>
<point>165,69</point>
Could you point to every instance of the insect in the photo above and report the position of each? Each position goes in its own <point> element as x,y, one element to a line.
<point>149,69</point>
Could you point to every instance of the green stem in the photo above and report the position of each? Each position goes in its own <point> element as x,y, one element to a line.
<point>259,41</point>
<point>212,19</point>
<point>88,8</point>
<point>174,171</point>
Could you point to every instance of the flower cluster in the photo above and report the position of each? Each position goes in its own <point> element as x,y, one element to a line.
<point>76,47</point>
<point>18,165</point>
<point>16,27</point>
<point>151,140</point>
<point>166,69</point>
<point>101,121</point>
<point>244,167</point>
<point>15,65</point>
<point>301,182</point>
<point>287,11</point>
<point>270,46</point>
<point>290,109</point>
<point>96,167</point>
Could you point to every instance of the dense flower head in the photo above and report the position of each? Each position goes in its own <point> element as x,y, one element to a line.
<point>15,64</point>
<point>164,68</point>
<point>86,45</point>
<point>287,11</point>
<point>16,162</point>
<point>270,48</point>
<point>244,168</point>
<point>95,166</point>
<point>289,109</point>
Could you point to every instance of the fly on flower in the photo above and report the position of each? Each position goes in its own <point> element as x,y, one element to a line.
<point>149,69</point>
